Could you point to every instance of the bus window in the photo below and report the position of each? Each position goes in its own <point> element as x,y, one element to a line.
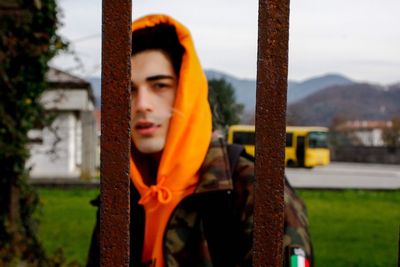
<point>289,139</point>
<point>244,138</point>
<point>317,140</point>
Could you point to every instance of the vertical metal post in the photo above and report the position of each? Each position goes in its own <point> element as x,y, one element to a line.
<point>272,65</point>
<point>115,133</point>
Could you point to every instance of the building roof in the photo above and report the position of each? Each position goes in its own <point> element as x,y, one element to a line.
<point>363,125</point>
<point>58,79</point>
<point>54,75</point>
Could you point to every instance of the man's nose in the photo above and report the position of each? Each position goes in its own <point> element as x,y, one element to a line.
<point>142,100</point>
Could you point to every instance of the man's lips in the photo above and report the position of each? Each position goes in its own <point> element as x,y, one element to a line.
<point>146,128</point>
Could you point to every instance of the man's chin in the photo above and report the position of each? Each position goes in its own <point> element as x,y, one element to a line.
<point>150,146</point>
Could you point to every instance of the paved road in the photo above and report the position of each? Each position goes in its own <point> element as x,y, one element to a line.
<point>347,175</point>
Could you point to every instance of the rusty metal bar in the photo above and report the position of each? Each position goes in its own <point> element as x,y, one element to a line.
<point>115,133</point>
<point>272,68</point>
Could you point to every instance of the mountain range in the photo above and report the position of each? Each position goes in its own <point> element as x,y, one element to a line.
<point>358,101</point>
<point>297,90</point>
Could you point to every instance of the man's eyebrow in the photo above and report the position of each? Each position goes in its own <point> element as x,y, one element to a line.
<point>159,77</point>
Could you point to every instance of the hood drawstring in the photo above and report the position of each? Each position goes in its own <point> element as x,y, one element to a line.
<point>162,193</point>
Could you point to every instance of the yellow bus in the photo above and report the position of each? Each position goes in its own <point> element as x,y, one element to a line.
<point>305,146</point>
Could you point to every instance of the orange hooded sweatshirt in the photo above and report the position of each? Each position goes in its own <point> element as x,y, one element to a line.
<point>186,146</point>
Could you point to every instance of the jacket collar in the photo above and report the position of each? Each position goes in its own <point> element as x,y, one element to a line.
<point>215,174</point>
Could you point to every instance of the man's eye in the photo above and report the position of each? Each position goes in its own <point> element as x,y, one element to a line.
<point>160,85</point>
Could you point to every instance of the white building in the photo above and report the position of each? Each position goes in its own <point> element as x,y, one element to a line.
<point>66,149</point>
<point>367,132</point>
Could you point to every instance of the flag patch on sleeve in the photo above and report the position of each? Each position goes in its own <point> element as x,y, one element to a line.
<point>298,258</point>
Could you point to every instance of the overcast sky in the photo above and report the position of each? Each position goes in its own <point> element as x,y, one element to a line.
<point>357,38</point>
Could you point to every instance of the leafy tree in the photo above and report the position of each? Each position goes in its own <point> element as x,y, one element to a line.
<point>28,41</point>
<point>226,111</point>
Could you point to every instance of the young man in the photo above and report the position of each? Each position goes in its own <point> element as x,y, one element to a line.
<point>173,167</point>
<point>192,205</point>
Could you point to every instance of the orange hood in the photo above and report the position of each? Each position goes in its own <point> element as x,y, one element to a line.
<point>186,146</point>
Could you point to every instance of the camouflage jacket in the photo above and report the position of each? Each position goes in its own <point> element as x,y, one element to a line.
<point>188,240</point>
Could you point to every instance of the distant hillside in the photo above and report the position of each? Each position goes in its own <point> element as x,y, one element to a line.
<point>354,101</point>
<point>246,88</point>
<point>300,90</point>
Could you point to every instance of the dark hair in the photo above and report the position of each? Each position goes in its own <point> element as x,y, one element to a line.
<point>160,37</point>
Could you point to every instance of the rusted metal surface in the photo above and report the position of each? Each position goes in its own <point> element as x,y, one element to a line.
<point>273,37</point>
<point>115,133</point>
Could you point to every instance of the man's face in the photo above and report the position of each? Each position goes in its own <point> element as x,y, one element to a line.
<point>154,85</point>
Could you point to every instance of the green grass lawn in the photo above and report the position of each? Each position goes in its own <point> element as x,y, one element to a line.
<point>354,228</point>
<point>67,221</point>
<point>348,228</point>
